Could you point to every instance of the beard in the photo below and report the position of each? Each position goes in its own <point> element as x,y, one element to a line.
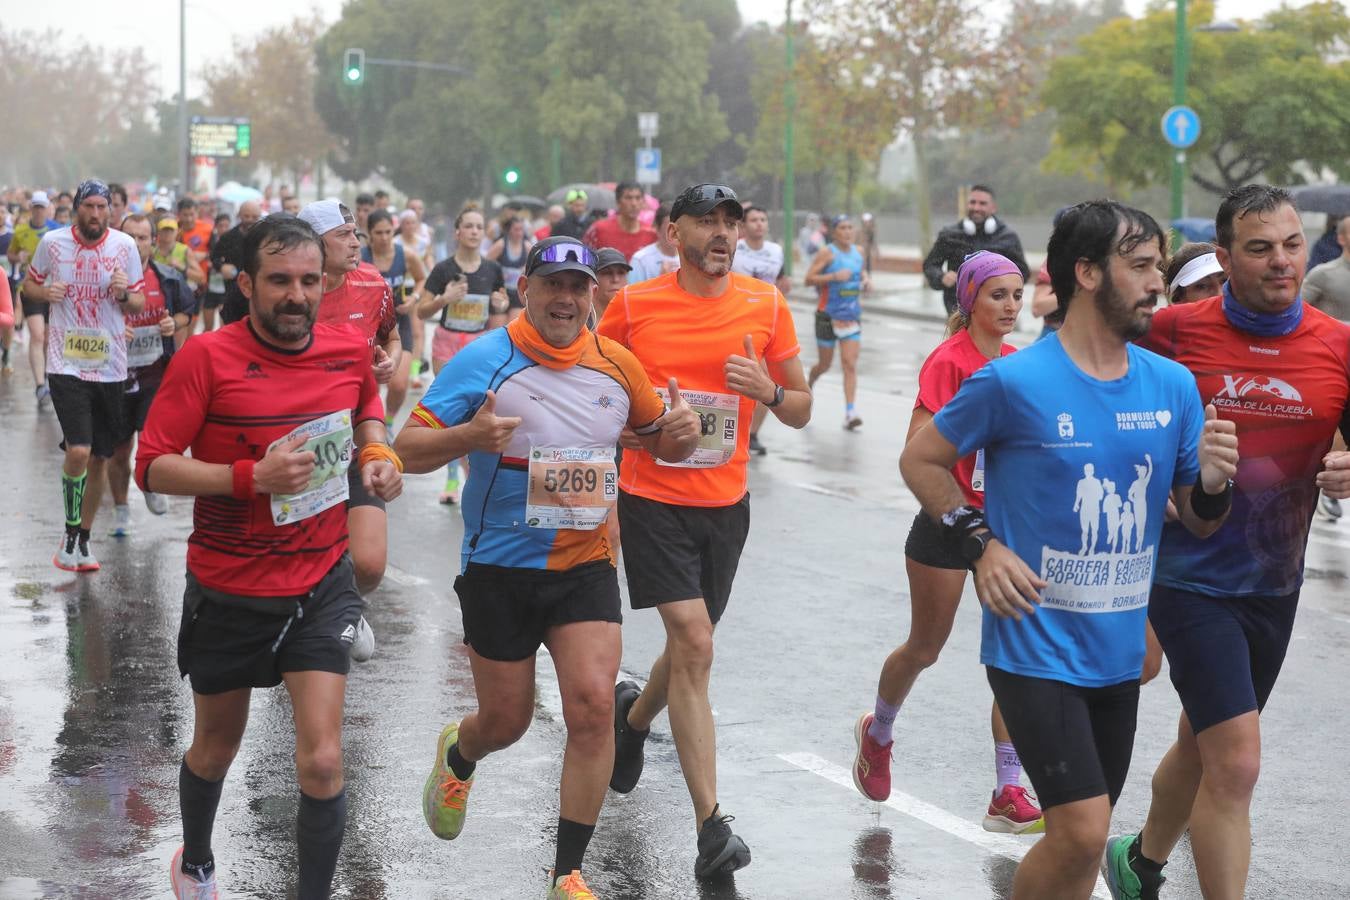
<point>698,258</point>
<point>91,231</point>
<point>1119,314</point>
<point>269,321</point>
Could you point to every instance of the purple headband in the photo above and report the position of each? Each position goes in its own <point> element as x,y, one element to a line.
<point>978,268</point>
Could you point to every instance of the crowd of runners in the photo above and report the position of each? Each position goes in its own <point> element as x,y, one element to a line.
<point>1139,482</point>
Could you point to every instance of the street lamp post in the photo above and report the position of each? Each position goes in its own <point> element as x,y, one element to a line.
<point>789,173</point>
<point>1181,57</point>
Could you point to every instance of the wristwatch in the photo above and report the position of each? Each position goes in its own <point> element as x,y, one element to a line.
<point>973,546</point>
<point>778,395</point>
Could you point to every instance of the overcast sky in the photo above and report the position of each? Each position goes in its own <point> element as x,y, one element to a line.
<point>213,26</point>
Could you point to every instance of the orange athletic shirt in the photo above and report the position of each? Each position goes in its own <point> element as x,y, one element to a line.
<point>676,334</point>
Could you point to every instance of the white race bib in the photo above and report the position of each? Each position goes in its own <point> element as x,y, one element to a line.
<point>145,346</point>
<point>469,314</point>
<point>330,440</point>
<point>717,414</point>
<point>977,476</point>
<point>570,488</point>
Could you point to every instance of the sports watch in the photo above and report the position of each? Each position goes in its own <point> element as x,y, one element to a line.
<point>973,546</point>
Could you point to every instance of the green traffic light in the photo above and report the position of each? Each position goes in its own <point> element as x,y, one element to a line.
<point>511,176</point>
<point>353,74</point>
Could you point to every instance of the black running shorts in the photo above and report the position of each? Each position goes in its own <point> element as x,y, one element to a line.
<point>673,553</point>
<point>1075,742</point>
<point>507,612</point>
<point>928,546</point>
<point>226,642</point>
<point>90,412</point>
<point>135,408</point>
<point>36,308</point>
<point>405,331</point>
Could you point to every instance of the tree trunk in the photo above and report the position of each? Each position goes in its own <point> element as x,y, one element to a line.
<point>922,202</point>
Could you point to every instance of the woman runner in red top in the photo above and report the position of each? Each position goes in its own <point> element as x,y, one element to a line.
<point>989,298</point>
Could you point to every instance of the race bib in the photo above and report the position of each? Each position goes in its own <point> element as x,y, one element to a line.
<point>570,488</point>
<point>145,346</point>
<point>977,476</point>
<point>330,440</point>
<point>215,283</point>
<point>469,314</point>
<point>87,349</point>
<point>845,329</point>
<point>717,415</point>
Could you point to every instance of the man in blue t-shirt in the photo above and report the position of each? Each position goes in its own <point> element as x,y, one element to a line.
<point>1085,435</point>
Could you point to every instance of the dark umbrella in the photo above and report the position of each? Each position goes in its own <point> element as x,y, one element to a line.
<point>526,200</point>
<point>1332,199</point>
<point>597,197</point>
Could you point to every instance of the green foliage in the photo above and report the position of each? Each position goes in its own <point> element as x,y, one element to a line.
<point>1269,98</point>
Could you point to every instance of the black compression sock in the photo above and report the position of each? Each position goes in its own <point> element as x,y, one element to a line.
<point>319,825</point>
<point>1149,872</point>
<point>462,768</point>
<point>197,802</point>
<point>573,838</point>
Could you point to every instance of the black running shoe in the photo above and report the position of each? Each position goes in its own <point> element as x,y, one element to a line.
<point>628,741</point>
<point>719,851</point>
<point>756,447</point>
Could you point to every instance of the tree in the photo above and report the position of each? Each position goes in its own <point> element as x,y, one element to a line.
<point>270,79</point>
<point>1269,97</point>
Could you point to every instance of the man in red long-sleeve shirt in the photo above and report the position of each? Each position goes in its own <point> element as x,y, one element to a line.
<point>274,409</point>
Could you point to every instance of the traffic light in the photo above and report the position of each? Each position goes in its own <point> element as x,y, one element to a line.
<point>511,176</point>
<point>354,66</point>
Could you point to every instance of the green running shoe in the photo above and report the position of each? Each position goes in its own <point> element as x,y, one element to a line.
<point>444,797</point>
<point>1121,878</point>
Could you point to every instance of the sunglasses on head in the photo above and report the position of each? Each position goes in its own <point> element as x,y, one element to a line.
<point>565,251</point>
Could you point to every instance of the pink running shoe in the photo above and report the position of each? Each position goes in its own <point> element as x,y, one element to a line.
<point>186,887</point>
<point>872,764</point>
<point>1014,811</point>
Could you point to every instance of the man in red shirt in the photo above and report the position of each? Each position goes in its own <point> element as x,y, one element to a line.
<point>357,296</point>
<point>623,232</point>
<point>260,421</point>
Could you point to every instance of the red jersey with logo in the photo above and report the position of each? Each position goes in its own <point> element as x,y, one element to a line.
<point>145,335</point>
<point>226,396</point>
<point>1287,394</point>
<point>364,302</point>
<point>940,377</point>
<point>609,233</point>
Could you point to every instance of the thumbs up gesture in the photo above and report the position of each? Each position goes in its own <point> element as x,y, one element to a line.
<point>680,423</point>
<point>748,375</point>
<point>488,431</point>
<point>383,366</point>
<point>1218,451</point>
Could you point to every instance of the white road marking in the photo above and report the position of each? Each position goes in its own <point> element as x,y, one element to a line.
<point>927,813</point>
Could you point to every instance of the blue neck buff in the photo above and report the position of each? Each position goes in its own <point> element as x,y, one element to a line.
<point>1261,324</point>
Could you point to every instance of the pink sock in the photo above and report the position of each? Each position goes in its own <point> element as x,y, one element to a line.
<point>1008,764</point>
<point>883,719</point>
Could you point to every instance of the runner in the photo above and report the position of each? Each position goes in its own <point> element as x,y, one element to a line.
<point>657,258</point>
<point>510,251</point>
<point>535,564</point>
<point>1193,273</point>
<point>415,238</point>
<point>1224,610</point>
<point>837,271</point>
<point>117,205</point>
<point>22,246</point>
<point>90,276</point>
<point>989,298</point>
<point>611,271</point>
<point>156,331</point>
<point>225,257</point>
<point>761,258</point>
<point>469,294</point>
<point>1065,603</point>
<point>404,275</point>
<point>271,593</point>
<point>730,341</point>
<point>624,231</point>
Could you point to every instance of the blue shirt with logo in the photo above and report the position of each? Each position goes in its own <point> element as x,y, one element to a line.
<point>1077,474</point>
<point>843,302</point>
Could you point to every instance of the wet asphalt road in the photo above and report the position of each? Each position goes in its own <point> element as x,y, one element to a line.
<point>93,718</point>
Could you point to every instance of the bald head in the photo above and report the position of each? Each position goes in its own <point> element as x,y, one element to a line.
<point>250,211</point>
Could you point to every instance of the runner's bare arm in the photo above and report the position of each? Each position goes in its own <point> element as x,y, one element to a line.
<point>380,475</point>
<point>752,376</point>
<point>679,430</point>
<point>1334,479</point>
<point>795,410</point>
<point>53,291</point>
<point>823,258</point>
<point>424,448</point>
<point>285,469</point>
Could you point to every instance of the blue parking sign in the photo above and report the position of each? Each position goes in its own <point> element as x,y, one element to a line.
<point>648,165</point>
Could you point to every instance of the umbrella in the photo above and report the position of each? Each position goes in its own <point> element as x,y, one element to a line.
<point>234,192</point>
<point>597,196</point>
<point>1332,199</point>
<point>528,201</point>
<point>1195,228</point>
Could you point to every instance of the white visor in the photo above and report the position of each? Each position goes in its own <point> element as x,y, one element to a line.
<point>1194,270</point>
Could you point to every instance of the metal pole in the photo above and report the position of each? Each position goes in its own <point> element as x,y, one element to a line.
<point>789,175</point>
<point>183,185</point>
<point>1180,63</point>
<point>555,146</point>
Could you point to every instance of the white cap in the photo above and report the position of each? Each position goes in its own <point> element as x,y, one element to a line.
<point>325,215</point>
<point>39,199</point>
<point>1193,271</point>
<point>163,204</point>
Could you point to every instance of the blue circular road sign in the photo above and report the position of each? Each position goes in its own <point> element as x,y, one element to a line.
<point>1181,127</point>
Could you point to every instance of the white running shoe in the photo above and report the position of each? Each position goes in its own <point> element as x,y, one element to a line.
<point>188,887</point>
<point>85,556</point>
<point>121,524</point>
<point>67,555</point>
<point>156,503</point>
<point>363,644</point>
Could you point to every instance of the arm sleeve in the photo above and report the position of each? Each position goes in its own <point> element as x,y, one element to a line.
<point>1312,288</point>
<point>178,410</point>
<point>932,263</point>
<point>437,280</point>
<point>783,342</point>
<point>1192,424</point>
<point>614,323</point>
<point>457,392</point>
<point>939,380</point>
<point>974,417</point>
<point>498,279</point>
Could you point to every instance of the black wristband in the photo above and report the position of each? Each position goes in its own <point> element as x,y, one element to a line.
<point>1211,506</point>
<point>960,522</point>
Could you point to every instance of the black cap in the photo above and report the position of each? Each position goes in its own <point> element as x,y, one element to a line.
<point>608,256</point>
<point>701,199</point>
<point>560,254</point>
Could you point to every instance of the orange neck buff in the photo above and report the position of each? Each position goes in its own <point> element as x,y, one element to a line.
<point>525,336</point>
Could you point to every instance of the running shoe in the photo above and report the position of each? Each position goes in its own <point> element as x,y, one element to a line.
<point>1330,506</point>
<point>1121,878</point>
<point>85,557</point>
<point>44,396</point>
<point>450,496</point>
<point>156,503</point>
<point>756,447</point>
<point>628,741</point>
<point>569,887</point>
<point>67,555</point>
<point>852,421</point>
<point>5,367</point>
<point>445,796</point>
<point>190,887</point>
<point>872,762</point>
<point>720,852</point>
<point>1013,811</point>
<point>121,525</point>
<point>363,644</point>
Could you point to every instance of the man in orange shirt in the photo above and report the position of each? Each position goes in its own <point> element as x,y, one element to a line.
<point>729,341</point>
<point>195,232</point>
